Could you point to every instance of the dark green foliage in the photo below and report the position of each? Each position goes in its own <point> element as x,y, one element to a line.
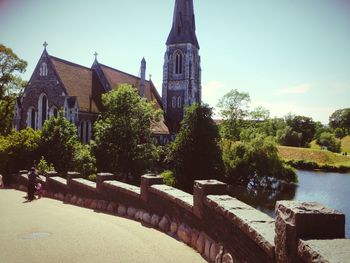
<point>255,163</point>
<point>18,151</point>
<point>304,126</point>
<point>11,85</point>
<point>339,133</point>
<point>168,178</point>
<point>123,133</point>
<point>328,140</point>
<point>195,153</point>
<point>84,160</point>
<point>43,166</point>
<point>289,137</point>
<point>340,119</point>
<point>58,143</point>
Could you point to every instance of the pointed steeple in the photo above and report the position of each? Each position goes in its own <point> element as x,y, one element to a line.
<point>184,28</point>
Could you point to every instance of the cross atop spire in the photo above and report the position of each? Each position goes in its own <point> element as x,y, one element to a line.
<point>45,44</point>
<point>184,28</point>
<point>95,54</point>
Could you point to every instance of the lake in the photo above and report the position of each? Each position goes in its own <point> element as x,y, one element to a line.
<point>330,189</point>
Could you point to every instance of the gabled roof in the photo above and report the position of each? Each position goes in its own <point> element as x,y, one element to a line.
<point>77,80</point>
<point>116,77</point>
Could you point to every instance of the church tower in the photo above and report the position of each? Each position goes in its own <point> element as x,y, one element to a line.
<point>181,71</point>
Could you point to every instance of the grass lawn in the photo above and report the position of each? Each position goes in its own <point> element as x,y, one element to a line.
<point>313,154</point>
<point>345,144</point>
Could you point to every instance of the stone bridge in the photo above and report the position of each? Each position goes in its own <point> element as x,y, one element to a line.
<point>218,226</point>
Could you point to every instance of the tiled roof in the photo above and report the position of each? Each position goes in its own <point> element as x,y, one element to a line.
<point>116,77</point>
<point>77,80</point>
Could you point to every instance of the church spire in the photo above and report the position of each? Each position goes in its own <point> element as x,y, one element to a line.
<point>184,27</point>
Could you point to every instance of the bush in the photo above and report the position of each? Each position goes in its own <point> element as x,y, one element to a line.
<point>339,133</point>
<point>59,142</point>
<point>255,164</point>
<point>84,161</point>
<point>19,150</point>
<point>168,178</point>
<point>43,167</point>
<point>288,137</point>
<point>328,140</point>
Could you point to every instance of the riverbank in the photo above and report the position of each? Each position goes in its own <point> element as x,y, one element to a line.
<point>314,159</point>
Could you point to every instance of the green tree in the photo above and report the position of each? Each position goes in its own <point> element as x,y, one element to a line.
<point>195,154</point>
<point>59,142</point>
<point>304,126</point>
<point>289,137</point>
<point>18,150</point>
<point>234,108</point>
<point>11,85</point>
<point>123,132</point>
<point>255,164</point>
<point>340,119</point>
<point>328,140</point>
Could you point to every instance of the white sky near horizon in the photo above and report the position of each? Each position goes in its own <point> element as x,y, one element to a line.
<point>290,56</point>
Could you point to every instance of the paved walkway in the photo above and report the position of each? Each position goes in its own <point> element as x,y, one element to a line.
<point>47,230</point>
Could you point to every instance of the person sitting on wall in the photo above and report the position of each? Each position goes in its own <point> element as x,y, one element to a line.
<point>32,177</point>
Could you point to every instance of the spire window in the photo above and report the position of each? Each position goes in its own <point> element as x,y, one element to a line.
<point>178,62</point>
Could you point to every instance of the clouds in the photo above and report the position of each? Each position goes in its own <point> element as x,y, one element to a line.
<point>299,89</point>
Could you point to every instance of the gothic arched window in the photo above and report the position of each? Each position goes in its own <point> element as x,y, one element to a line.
<point>43,69</point>
<point>31,118</point>
<point>173,102</point>
<point>178,62</point>
<point>54,112</point>
<point>179,102</point>
<point>43,105</point>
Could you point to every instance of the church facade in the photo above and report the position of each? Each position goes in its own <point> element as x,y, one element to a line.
<point>58,84</point>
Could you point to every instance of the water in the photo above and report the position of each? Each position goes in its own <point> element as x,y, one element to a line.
<point>329,189</point>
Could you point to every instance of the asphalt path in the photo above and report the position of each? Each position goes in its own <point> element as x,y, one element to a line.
<point>47,230</point>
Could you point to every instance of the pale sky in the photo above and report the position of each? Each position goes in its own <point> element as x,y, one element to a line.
<point>290,55</point>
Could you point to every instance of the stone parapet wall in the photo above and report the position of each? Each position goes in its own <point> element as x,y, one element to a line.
<point>220,227</point>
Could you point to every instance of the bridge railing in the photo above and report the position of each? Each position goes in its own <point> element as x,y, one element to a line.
<point>220,227</point>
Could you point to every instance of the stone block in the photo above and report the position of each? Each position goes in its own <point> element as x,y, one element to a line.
<point>208,243</point>
<point>200,245</point>
<point>214,251</point>
<point>164,224</point>
<point>194,238</point>
<point>146,181</point>
<point>155,220</point>
<point>202,189</point>
<point>146,218</point>
<point>121,210</point>
<point>227,258</point>
<point>173,228</point>
<point>131,212</point>
<point>93,204</point>
<point>296,220</point>
<point>184,232</point>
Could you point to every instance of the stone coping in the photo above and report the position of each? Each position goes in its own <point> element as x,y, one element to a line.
<point>331,250</point>
<point>85,183</point>
<point>41,177</point>
<point>123,187</point>
<point>58,179</point>
<point>255,224</point>
<point>177,196</point>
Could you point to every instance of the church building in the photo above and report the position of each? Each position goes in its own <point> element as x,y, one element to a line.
<point>58,84</point>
